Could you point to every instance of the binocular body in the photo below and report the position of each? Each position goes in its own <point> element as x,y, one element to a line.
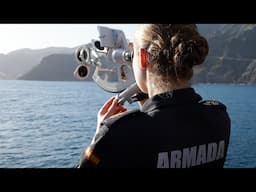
<point>110,61</point>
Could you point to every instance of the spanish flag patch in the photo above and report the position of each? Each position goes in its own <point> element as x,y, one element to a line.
<point>91,156</point>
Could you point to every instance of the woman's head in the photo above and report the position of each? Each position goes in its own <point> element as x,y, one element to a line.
<point>167,53</point>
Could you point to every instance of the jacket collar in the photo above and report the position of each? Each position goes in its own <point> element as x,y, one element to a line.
<point>184,96</point>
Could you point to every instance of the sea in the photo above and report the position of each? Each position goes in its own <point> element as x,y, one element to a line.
<point>48,124</point>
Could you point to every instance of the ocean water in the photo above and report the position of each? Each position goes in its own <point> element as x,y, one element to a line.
<point>48,124</point>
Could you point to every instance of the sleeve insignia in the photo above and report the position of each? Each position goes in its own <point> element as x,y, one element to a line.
<point>91,156</point>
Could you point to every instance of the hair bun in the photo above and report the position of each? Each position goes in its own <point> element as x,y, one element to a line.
<point>191,52</point>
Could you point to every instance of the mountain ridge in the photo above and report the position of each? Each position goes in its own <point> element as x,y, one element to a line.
<point>231,58</point>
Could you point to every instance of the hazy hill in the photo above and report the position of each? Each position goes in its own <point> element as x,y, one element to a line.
<point>56,67</point>
<point>232,54</point>
<point>18,62</point>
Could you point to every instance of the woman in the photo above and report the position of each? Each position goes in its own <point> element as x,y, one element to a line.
<point>174,128</point>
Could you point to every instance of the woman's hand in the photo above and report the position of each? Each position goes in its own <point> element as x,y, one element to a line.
<point>111,107</point>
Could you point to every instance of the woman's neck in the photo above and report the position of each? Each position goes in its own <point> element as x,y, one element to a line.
<point>155,88</point>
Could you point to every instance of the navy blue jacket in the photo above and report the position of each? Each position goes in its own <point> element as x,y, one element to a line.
<point>172,130</point>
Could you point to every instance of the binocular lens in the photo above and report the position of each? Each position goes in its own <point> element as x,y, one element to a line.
<point>82,71</point>
<point>84,55</point>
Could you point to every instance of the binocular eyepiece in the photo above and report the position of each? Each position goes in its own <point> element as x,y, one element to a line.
<point>121,56</point>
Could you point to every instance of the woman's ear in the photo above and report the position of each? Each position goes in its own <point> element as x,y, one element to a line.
<point>143,59</point>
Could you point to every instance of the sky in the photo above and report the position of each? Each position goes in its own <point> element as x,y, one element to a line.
<point>38,36</point>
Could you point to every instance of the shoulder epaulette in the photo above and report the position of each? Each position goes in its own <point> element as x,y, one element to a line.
<point>213,104</point>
